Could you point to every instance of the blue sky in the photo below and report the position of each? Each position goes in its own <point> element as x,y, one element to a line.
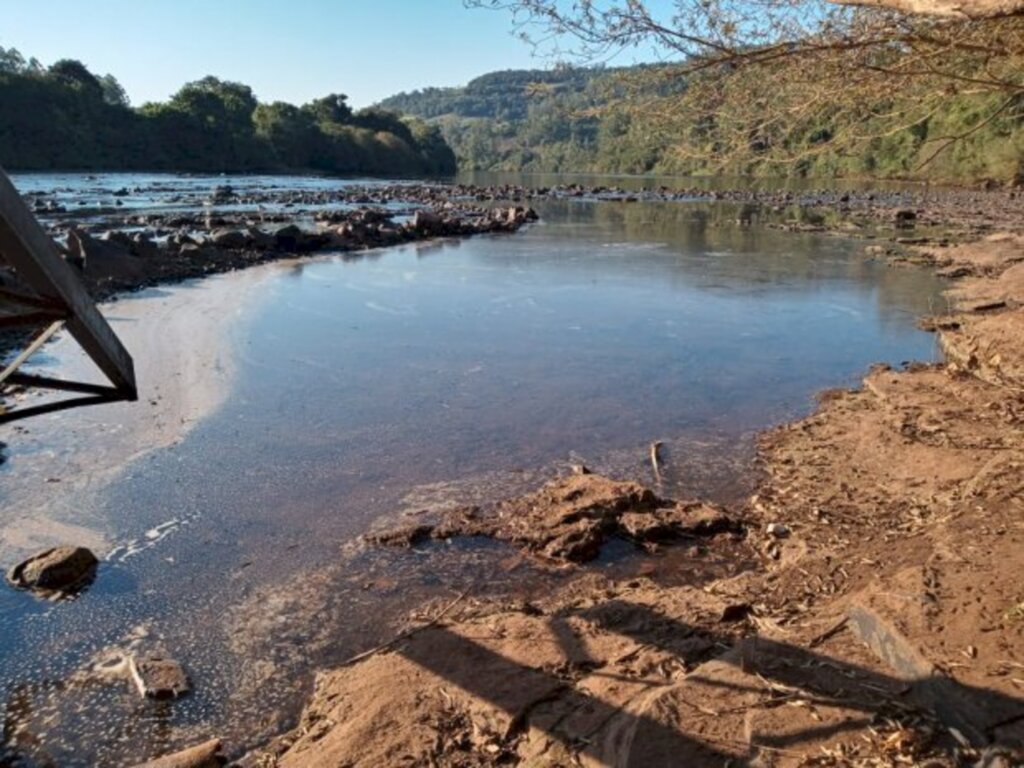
<point>289,50</point>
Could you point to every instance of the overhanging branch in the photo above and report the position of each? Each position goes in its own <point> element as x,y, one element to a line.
<point>957,9</point>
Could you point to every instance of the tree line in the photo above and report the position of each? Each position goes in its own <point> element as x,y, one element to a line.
<point>642,120</point>
<point>65,117</point>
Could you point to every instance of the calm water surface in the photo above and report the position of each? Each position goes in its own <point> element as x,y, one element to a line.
<point>415,377</point>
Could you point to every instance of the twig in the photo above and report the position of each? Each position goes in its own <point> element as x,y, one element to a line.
<point>655,463</point>
<point>406,634</point>
<point>835,629</point>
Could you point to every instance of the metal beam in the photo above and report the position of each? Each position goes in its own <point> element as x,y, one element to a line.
<point>26,246</point>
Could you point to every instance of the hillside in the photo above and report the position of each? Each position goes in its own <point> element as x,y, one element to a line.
<point>630,121</point>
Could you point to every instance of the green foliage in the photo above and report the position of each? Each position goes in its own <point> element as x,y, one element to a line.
<point>67,117</point>
<point>602,121</point>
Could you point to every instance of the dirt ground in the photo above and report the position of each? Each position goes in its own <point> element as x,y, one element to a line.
<point>884,626</point>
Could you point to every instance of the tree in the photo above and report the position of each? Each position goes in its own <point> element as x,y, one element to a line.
<point>217,103</point>
<point>113,92</point>
<point>765,77</point>
<point>289,131</point>
<point>11,61</point>
<point>75,74</point>
<point>330,109</point>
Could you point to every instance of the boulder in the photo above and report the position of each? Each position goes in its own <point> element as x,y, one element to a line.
<point>205,755</point>
<point>104,259</point>
<point>427,222</point>
<point>232,239</point>
<point>61,569</point>
<point>291,238</point>
<point>259,239</point>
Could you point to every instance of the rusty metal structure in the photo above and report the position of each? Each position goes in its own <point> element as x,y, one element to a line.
<point>51,296</point>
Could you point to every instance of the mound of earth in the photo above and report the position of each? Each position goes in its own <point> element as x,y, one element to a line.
<point>569,519</point>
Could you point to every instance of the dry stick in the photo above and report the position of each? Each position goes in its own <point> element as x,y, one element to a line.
<point>835,629</point>
<point>406,634</point>
<point>655,446</point>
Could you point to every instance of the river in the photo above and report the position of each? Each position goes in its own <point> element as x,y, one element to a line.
<point>288,408</point>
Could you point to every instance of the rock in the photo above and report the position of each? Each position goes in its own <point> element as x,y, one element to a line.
<point>205,755</point>
<point>287,237</point>
<point>778,530</point>
<point>676,521</point>
<point>291,238</point>
<point>61,569</point>
<point>905,218</point>
<point>104,260</point>
<point>232,239</point>
<point>180,239</point>
<point>569,519</point>
<point>735,612</point>
<point>158,677</point>
<point>259,239</point>
<point>406,536</point>
<point>143,247</point>
<point>426,221</point>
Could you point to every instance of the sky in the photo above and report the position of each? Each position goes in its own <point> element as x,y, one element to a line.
<point>287,50</point>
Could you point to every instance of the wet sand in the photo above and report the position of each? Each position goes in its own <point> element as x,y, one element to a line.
<point>186,381</point>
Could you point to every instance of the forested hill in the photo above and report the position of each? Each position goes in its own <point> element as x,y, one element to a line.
<point>530,120</point>
<point>66,117</point>
<point>507,95</point>
<point>595,120</point>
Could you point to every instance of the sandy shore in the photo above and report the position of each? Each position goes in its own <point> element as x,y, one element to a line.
<point>63,460</point>
<point>884,624</point>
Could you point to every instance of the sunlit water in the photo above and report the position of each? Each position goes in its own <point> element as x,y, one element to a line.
<point>414,377</point>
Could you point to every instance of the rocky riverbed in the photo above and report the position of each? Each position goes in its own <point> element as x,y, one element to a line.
<point>119,247</point>
<point>119,253</point>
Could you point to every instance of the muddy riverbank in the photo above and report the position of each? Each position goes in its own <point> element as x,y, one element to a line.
<point>713,331</point>
<point>883,625</point>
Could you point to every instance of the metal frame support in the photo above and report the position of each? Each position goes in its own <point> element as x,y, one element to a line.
<point>61,300</point>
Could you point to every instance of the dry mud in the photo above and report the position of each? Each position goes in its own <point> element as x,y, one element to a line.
<point>884,626</point>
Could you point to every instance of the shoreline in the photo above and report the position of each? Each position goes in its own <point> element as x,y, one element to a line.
<point>468,624</point>
<point>877,521</point>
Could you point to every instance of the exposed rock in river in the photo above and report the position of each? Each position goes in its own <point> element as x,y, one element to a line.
<point>569,519</point>
<point>61,569</point>
<point>158,677</point>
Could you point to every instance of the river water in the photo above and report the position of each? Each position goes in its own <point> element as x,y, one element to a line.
<point>287,409</point>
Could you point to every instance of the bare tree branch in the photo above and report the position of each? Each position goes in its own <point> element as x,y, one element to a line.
<point>959,9</point>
